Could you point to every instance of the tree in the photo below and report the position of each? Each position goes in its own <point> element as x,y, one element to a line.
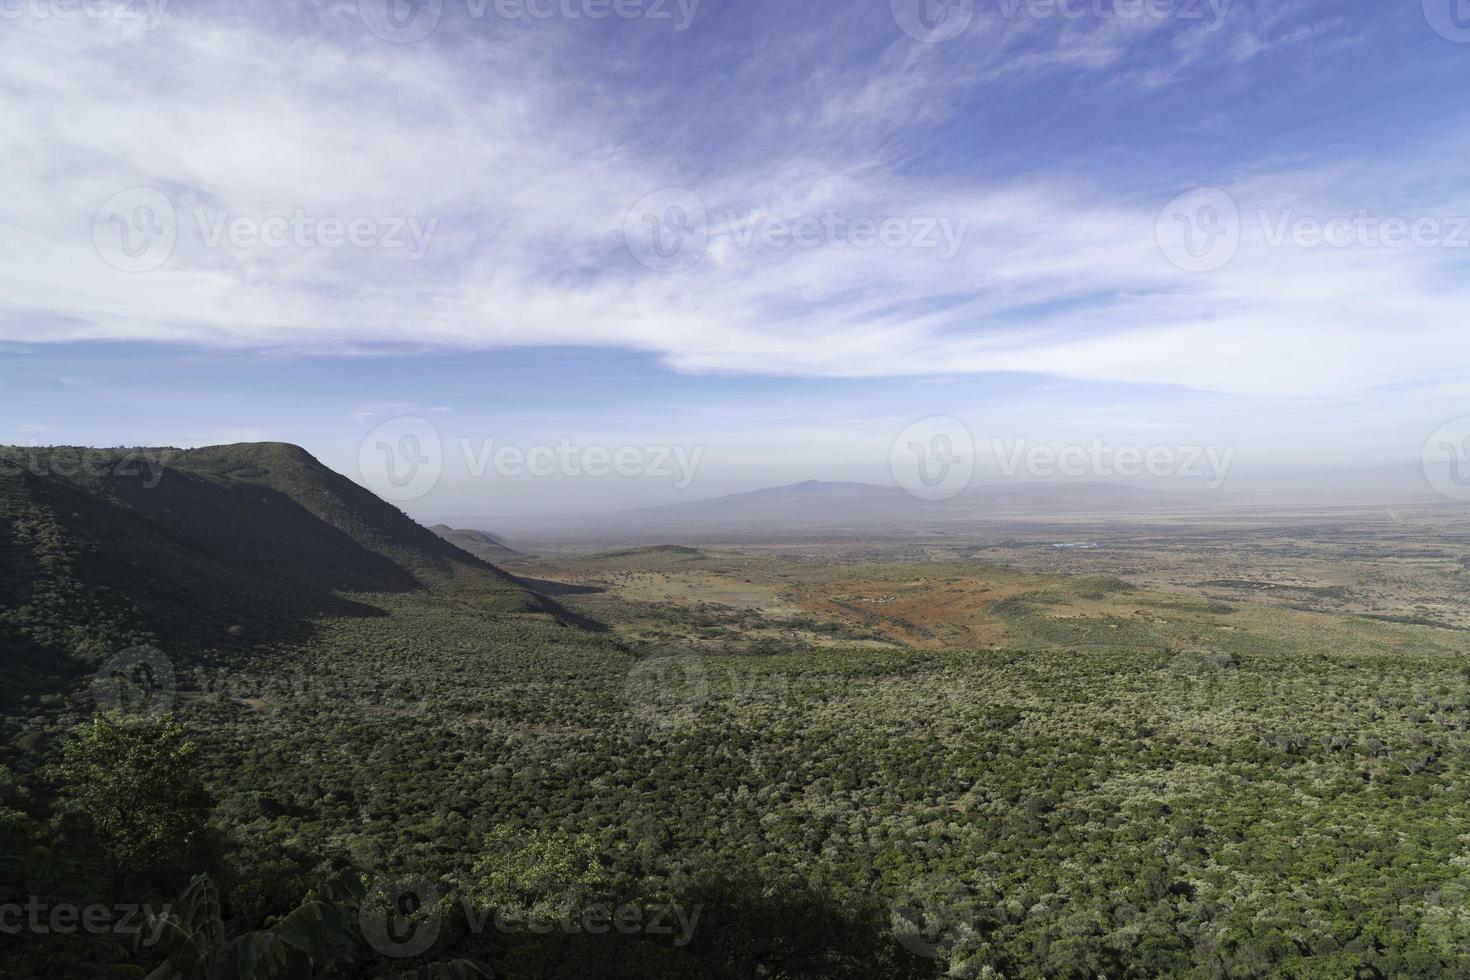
<point>135,783</point>
<point>537,876</point>
<point>318,938</point>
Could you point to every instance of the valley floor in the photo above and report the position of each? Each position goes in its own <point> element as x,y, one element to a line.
<point>830,764</point>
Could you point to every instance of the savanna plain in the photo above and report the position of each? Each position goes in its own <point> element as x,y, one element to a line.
<point>309,737</point>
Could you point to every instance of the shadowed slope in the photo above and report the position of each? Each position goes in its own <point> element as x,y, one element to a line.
<point>225,545</point>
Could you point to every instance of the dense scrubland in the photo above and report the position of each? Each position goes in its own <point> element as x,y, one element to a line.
<point>443,769</point>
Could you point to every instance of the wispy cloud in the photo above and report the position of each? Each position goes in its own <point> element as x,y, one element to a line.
<point>519,170</point>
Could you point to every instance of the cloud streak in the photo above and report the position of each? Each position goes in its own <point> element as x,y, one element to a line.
<point>526,170</point>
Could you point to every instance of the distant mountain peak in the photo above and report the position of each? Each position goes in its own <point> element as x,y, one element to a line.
<point>819,486</point>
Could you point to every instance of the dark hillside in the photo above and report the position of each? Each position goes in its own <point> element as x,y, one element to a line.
<point>223,546</point>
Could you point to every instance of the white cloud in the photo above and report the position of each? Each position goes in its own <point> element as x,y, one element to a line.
<point>530,188</point>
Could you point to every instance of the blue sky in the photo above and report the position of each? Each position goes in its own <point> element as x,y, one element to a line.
<point>780,233</point>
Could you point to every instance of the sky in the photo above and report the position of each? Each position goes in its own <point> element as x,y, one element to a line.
<point>742,243</point>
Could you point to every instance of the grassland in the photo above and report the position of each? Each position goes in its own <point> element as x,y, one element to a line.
<point>709,597</point>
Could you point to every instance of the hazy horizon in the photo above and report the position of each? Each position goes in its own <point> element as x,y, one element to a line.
<point>1202,226</point>
<point>468,489</point>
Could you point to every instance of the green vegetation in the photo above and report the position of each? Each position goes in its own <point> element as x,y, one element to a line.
<point>1106,797</point>
<point>135,785</point>
<point>221,548</point>
<point>1081,614</point>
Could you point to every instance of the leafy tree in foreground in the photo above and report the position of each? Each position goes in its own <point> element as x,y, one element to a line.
<point>135,783</point>
<point>537,876</point>
<point>316,939</point>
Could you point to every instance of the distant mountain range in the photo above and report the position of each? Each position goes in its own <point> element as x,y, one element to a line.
<point>824,507</point>
<point>837,507</point>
